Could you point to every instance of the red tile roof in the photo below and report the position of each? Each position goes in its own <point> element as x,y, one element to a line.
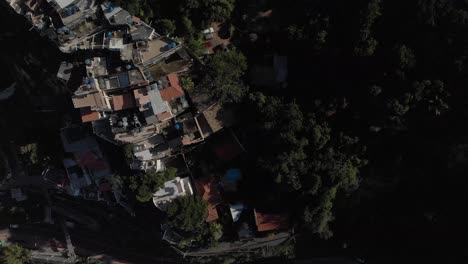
<point>208,191</point>
<point>174,90</point>
<point>123,101</point>
<point>87,115</point>
<point>270,222</point>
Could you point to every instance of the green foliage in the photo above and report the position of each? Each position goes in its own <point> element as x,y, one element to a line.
<point>187,27</point>
<point>315,31</point>
<point>187,213</point>
<point>128,151</point>
<point>195,44</point>
<point>187,83</point>
<point>139,8</point>
<point>150,182</point>
<point>14,254</point>
<point>405,57</point>
<point>222,80</point>
<point>165,26</point>
<point>308,157</point>
<point>366,43</point>
<point>208,10</point>
<point>432,96</point>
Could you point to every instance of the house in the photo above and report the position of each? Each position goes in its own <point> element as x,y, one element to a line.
<point>64,72</point>
<point>170,191</point>
<point>84,163</point>
<point>215,118</point>
<point>270,221</point>
<point>115,15</point>
<point>207,189</point>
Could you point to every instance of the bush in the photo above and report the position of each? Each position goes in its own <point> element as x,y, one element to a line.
<point>14,254</point>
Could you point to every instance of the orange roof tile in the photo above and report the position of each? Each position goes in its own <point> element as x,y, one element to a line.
<point>87,115</point>
<point>208,191</point>
<point>212,213</point>
<point>174,90</point>
<point>270,222</point>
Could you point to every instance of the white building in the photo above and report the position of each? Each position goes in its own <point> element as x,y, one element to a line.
<point>171,190</point>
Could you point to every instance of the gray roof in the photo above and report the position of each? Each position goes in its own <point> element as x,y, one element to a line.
<point>124,79</point>
<point>64,71</point>
<point>150,117</point>
<point>121,18</point>
<point>157,102</point>
<point>141,32</point>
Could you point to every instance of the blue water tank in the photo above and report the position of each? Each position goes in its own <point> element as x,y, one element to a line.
<point>108,34</point>
<point>178,126</point>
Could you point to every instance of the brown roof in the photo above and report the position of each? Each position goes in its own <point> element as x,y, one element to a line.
<point>164,116</point>
<point>270,222</point>
<point>212,213</point>
<point>141,97</point>
<point>123,101</point>
<point>87,115</point>
<point>174,90</point>
<point>91,99</point>
<point>208,191</point>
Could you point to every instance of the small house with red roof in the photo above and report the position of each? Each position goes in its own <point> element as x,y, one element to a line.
<point>207,189</point>
<point>270,221</point>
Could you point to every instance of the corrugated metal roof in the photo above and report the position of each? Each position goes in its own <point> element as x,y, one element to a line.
<point>157,102</point>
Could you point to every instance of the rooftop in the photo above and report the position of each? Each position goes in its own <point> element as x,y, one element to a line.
<point>88,115</point>
<point>65,70</point>
<point>214,119</point>
<point>150,50</point>
<point>96,67</point>
<point>95,100</point>
<point>62,3</point>
<point>270,221</point>
<point>123,101</point>
<point>141,32</point>
<point>171,190</point>
<point>174,90</point>
<point>207,188</point>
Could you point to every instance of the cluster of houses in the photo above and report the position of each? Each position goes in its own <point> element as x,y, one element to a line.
<point>133,97</point>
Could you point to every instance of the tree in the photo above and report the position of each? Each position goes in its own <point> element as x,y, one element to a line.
<point>187,83</point>
<point>305,157</point>
<point>150,182</point>
<point>405,57</point>
<point>366,43</point>
<point>187,213</point>
<point>432,95</point>
<point>165,26</point>
<point>222,80</point>
<point>14,254</point>
<point>128,151</point>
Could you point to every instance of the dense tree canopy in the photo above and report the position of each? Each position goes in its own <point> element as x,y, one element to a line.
<point>223,74</point>
<point>14,254</point>
<point>187,213</point>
